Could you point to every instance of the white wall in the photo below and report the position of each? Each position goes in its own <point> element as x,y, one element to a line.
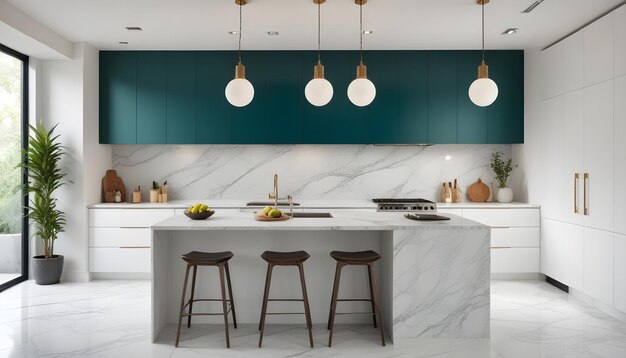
<point>69,96</point>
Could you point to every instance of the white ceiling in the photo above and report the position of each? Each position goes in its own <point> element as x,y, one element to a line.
<point>397,24</point>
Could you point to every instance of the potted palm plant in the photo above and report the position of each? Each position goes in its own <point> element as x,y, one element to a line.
<point>45,176</point>
<point>502,169</point>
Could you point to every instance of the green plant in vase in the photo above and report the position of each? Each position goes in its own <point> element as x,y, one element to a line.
<point>502,170</point>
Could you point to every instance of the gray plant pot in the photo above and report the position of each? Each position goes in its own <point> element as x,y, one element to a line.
<point>47,270</point>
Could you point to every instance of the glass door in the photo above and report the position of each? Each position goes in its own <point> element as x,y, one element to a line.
<point>13,138</point>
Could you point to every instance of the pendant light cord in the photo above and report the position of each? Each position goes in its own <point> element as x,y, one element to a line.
<point>483,11</point>
<point>318,32</point>
<point>240,17</point>
<point>361,27</point>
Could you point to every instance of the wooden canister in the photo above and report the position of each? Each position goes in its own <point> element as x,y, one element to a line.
<point>154,196</point>
<point>136,196</point>
<point>164,198</point>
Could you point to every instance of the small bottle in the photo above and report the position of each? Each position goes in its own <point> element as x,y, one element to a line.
<point>118,196</point>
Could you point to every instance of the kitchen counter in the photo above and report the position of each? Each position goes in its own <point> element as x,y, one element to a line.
<point>433,275</point>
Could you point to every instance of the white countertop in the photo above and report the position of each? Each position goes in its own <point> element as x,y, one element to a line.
<point>342,220</point>
<point>313,204</point>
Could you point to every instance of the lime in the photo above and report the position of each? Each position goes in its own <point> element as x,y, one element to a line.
<point>275,213</point>
<point>267,210</point>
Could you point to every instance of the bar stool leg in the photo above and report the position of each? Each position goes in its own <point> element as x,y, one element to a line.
<point>370,269</point>
<point>230,295</point>
<point>224,308</point>
<point>182,305</point>
<point>334,303</point>
<point>268,281</point>
<point>307,310</point>
<point>193,290</point>
<point>330,309</point>
<point>369,274</point>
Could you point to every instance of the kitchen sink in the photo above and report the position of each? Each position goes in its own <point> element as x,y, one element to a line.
<point>270,203</point>
<point>310,215</point>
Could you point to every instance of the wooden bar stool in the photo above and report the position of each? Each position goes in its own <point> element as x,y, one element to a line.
<point>344,258</point>
<point>219,259</point>
<point>295,258</point>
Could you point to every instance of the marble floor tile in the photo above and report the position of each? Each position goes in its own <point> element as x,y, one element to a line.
<point>112,319</point>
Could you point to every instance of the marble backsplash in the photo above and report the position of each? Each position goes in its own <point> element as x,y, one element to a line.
<point>305,171</point>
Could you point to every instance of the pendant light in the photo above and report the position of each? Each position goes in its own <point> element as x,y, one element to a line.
<point>319,91</point>
<point>239,91</point>
<point>361,91</point>
<point>484,91</point>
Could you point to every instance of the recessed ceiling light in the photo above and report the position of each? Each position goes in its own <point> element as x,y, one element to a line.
<point>367,32</point>
<point>123,42</point>
<point>134,28</point>
<point>233,32</point>
<point>533,6</point>
<point>511,31</point>
<point>272,33</point>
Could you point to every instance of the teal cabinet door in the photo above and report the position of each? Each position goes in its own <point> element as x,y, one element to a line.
<point>181,97</point>
<point>412,87</point>
<point>472,119</point>
<point>505,117</point>
<point>340,121</point>
<point>285,98</point>
<point>442,97</point>
<point>151,98</point>
<point>383,120</point>
<point>118,97</point>
<point>214,71</point>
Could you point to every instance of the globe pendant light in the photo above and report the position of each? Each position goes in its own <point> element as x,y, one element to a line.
<point>239,91</point>
<point>318,91</point>
<point>361,91</point>
<point>484,91</point>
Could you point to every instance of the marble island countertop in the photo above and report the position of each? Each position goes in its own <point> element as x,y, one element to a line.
<point>341,220</point>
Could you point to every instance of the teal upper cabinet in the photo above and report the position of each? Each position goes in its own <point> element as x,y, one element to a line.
<point>213,116</point>
<point>338,122</point>
<point>505,117</point>
<point>158,97</point>
<point>442,97</point>
<point>151,98</point>
<point>118,97</point>
<point>181,97</point>
<point>472,119</point>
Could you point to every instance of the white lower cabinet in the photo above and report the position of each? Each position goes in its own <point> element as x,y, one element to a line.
<point>619,275</point>
<point>598,264</point>
<point>120,239</point>
<point>573,246</point>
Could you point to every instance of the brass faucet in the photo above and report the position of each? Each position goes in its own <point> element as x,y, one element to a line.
<point>274,195</point>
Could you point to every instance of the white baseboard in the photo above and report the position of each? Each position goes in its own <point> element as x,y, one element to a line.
<point>515,276</point>
<point>610,310</point>
<point>121,276</point>
<point>75,276</point>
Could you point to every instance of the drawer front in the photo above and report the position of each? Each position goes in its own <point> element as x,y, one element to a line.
<point>515,237</point>
<point>119,237</point>
<point>515,260</point>
<point>127,217</point>
<point>445,211</point>
<point>504,217</point>
<point>104,259</point>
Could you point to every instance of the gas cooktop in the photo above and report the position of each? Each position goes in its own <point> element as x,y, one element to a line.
<point>405,204</point>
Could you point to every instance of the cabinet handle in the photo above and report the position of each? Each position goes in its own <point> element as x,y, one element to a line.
<point>134,247</point>
<point>576,180</point>
<point>585,184</point>
<point>500,247</point>
<point>500,227</point>
<point>133,227</point>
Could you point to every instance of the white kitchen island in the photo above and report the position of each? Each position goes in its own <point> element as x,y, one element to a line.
<point>433,275</point>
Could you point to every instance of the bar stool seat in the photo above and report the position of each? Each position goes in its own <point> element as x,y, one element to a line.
<point>207,258</point>
<point>355,258</point>
<point>294,258</point>
<point>219,260</point>
<point>364,258</point>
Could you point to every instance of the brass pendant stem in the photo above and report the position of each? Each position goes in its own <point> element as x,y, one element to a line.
<point>318,70</point>
<point>361,70</point>
<point>483,70</point>
<point>240,70</point>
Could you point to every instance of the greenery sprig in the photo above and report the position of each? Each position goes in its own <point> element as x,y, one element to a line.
<point>501,168</point>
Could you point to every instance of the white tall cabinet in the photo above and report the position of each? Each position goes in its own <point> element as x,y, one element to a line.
<point>580,124</point>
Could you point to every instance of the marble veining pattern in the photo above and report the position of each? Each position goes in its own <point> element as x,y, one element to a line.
<point>529,319</point>
<point>435,270</point>
<point>306,171</point>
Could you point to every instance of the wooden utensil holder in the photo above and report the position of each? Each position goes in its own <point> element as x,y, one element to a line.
<point>154,195</point>
<point>136,197</point>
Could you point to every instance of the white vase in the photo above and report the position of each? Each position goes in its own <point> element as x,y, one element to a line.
<point>505,195</point>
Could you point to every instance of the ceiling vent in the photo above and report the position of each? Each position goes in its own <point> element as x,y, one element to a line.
<point>532,7</point>
<point>134,28</point>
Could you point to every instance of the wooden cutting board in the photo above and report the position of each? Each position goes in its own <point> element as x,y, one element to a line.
<point>478,192</point>
<point>259,216</point>
<point>112,183</point>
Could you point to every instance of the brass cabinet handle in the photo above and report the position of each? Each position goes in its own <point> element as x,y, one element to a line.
<point>576,180</point>
<point>585,182</point>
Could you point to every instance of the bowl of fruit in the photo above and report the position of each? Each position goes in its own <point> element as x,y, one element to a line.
<point>199,212</point>
<point>270,214</point>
